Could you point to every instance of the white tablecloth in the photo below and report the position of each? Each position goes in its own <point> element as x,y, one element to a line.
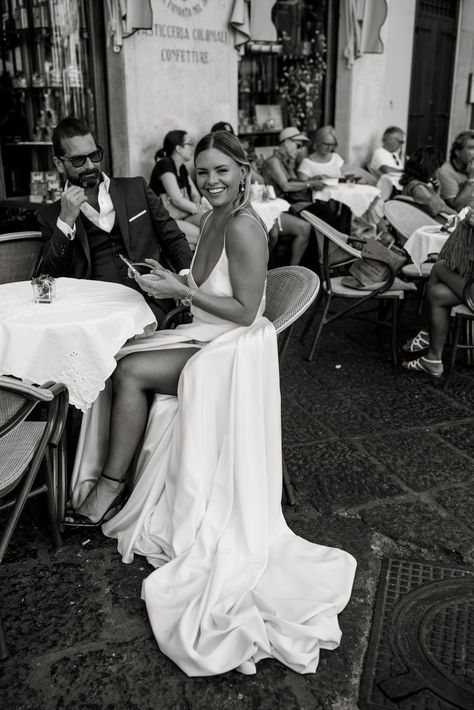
<point>72,340</point>
<point>357,197</point>
<point>270,210</point>
<point>424,241</point>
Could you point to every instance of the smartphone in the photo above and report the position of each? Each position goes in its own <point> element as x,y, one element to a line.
<point>134,271</point>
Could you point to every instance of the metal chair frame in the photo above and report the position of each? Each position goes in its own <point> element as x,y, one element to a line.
<point>383,294</point>
<point>48,455</point>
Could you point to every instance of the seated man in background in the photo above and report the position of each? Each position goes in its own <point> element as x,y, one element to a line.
<point>456,175</point>
<point>388,158</point>
<point>98,218</point>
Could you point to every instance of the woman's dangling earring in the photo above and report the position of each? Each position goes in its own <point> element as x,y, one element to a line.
<point>242,185</point>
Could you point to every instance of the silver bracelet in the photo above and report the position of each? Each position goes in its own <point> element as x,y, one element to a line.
<point>188,297</point>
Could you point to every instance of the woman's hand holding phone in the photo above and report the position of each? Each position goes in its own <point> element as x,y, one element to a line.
<point>161,282</point>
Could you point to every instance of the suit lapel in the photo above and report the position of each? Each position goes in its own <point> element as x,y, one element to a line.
<point>118,199</point>
<point>81,236</point>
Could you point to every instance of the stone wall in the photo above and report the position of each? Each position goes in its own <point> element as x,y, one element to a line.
<point>180,74</point>
<point>374,92</point>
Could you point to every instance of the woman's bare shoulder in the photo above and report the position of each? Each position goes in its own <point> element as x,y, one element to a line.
<point>245,230</point>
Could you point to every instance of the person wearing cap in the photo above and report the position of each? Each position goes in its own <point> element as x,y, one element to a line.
<point>280,170</point>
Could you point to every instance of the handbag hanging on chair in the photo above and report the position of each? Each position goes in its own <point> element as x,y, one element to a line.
<point>379,256</point>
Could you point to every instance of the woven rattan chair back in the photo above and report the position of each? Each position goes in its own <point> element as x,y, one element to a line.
<point>26,444</point>
<point>10,405</point>
<point>406,218</point>
<point>19,255</point>
<point>290,292</point>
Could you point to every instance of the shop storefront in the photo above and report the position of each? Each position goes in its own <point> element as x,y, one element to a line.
<point>52,54</point>
<point>136,69</point>
<point>286,71</point>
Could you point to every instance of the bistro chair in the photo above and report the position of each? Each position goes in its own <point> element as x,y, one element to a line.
<point>388,294</point>
<point>290,292</point>
<point>26,447</point>
<point>19,255</point>
<point>405,218</point>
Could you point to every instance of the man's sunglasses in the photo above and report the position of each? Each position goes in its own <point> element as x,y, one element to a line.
<point>77,161</point>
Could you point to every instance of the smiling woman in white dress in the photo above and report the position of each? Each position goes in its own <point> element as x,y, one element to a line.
<point>233,584</point>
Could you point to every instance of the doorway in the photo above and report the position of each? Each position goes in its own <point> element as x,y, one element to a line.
<point>432,73</point>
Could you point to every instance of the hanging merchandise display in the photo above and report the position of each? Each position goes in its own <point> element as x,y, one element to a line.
<point>282,72</point>
<point>48,72</point>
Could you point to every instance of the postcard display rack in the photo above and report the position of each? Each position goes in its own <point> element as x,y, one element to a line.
<point>282,83</point>
<point>44,77</point>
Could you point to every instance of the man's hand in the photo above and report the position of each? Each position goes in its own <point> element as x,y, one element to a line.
<point>71,201</point>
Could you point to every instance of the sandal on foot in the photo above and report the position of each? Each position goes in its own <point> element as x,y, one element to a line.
<point>421,341</point>
<point>77,520</point>
<point>420,365</point>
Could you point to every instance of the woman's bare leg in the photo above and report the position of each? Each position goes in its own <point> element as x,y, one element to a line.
<point>134,377</point>
<point>444,291</point>
<point>300,231</point>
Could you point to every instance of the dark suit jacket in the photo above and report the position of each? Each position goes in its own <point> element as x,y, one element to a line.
<point>146,227</point>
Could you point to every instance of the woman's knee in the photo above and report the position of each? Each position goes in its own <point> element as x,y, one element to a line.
<point>440,295</point>
<point>128,369</point>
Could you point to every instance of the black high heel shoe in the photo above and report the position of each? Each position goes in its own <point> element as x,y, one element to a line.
<point>77,520</point>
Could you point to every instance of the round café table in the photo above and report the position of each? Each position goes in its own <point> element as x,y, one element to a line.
<point>270,210</point>
<point>357,197</point>
<point>73,339</point>
<point>424,241</point>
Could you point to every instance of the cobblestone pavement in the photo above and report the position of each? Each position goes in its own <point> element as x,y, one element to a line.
<point>383,463</point>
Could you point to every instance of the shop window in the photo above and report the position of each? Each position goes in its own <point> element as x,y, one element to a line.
<point>49,70</point>
<point>282,82</point>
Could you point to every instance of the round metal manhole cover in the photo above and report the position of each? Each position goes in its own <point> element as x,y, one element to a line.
<point>433,633</point>
<point>449,638</point>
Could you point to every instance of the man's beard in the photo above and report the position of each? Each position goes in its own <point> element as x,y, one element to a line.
<point>87,180</point>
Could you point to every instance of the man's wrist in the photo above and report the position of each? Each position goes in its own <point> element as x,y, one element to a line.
<point>67,229</point>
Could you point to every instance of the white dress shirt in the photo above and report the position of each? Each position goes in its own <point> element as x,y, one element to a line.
<point>104,218</point>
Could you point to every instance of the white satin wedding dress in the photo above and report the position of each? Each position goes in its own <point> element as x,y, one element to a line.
<point>232,583</point>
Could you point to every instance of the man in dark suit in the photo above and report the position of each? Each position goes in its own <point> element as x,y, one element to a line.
<point>98,218</point>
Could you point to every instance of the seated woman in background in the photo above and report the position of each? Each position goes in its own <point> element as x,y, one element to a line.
<point>419,182</point>
<point>170,180</point>
<point>448,279</point>
<point>323,161</point>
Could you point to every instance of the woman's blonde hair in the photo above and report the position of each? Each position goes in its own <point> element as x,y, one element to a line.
<point>323,133</point>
